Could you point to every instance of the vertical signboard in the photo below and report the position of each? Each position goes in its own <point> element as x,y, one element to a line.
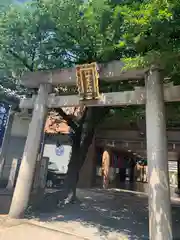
<point>4,116</point>
<point>88,81</point>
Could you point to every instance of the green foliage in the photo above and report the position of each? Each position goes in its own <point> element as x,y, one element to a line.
<point>86,31</point>
<point>48,34</point>
<point>56,33</point>
<point>26,38</point>
<point>152,30</point>
<point>4,5</point>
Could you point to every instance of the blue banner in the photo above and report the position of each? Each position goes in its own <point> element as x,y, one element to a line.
<point>4,115</point>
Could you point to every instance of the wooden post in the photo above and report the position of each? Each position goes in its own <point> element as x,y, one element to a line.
<point>178,174</point>
<point>105,167</point>
<point>13,174</point>
<point>160,223</point>
<point>5,143</point>
<point>39,162</point>
<point>26,173</point>
<point>39,183</point>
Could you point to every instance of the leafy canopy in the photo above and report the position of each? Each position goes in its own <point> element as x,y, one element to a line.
<point>152,29</point>
<point>47,34</point>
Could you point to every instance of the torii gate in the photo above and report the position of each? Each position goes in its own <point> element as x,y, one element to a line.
<point>153,96</point>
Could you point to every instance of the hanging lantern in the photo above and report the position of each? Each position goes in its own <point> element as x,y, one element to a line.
<point>88,81</point>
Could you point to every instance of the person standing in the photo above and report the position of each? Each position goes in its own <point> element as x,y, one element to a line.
<point>122,169</point>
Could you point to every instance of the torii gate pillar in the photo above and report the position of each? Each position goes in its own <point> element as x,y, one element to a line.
<point>26,173</point>
<point>160,223</point>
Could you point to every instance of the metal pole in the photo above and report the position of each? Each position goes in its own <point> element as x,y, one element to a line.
<point>26,173</point>
<point>160,223</point>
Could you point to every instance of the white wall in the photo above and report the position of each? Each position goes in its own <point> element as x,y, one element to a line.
<point>20,130</point>
<point>60,161</point>
<point>20,126</point>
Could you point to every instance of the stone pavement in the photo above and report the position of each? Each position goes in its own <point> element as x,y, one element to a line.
<point>99,215</point>
<point>21,230</point>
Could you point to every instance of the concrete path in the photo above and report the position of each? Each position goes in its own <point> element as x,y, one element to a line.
<point>26,231</point>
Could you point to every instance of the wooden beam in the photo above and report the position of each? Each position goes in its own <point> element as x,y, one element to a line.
<point>133,135</point>
<point>112,71</point>
<point>133,146</point>
<point>136,97</point>
<point>172,156</point>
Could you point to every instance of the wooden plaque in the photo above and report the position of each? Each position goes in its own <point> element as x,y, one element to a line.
<point>88,81</point>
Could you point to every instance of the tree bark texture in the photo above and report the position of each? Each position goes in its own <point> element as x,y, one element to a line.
<point>81,141</point>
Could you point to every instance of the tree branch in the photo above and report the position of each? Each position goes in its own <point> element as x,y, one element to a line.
<point>23,60</point>
<point>81,121</point>
<point>39,38</point>
<point>67,118</point>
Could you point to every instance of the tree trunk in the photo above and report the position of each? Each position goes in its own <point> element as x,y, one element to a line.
<point>82,139</point>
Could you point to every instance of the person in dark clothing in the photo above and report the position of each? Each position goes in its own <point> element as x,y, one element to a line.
<point>122,169</point>
<point>132,164</point>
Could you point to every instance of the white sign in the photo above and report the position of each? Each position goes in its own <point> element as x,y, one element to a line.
<point>172,166</point>
<point>59,163</point>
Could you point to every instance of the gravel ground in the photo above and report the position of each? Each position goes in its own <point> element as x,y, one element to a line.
<point>105,214</point>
